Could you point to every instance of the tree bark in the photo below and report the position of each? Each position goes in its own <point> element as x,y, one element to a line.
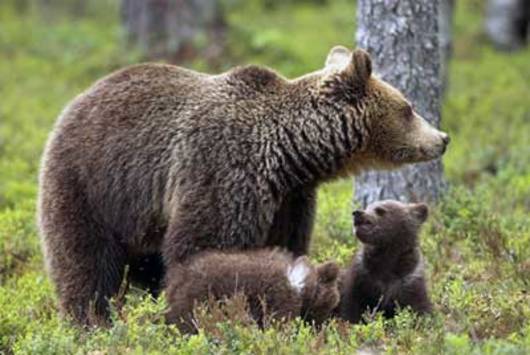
<point>174,29</point>
<point>403,38</point>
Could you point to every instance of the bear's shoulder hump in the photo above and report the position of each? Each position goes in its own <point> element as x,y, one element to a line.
<point>257,77</point>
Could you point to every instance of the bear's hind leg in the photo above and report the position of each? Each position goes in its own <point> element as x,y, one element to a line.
<point>84,262</point>
<point>86,281</point>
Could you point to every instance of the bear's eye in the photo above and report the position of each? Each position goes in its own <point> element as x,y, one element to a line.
<point>380,211</point>
<point>408,112</point>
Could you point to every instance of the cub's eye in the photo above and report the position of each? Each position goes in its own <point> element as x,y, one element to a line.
<point>380,211</point>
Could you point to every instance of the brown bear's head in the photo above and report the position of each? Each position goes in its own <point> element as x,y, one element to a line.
<point>390,223</point>
<point>318,286</point>
<point>391,132</point>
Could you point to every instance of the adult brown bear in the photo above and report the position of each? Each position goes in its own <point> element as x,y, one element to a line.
<point>159,159</point>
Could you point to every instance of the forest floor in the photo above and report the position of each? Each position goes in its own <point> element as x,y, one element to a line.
<point>476,243</point>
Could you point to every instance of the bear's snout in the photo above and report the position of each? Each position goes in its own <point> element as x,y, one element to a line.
<point>359,218</point>
<point>356,216</point>
<point>445,141</point>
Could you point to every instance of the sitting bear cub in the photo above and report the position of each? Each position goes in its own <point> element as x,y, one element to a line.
<point>388,271</point>
<point>273,282</point>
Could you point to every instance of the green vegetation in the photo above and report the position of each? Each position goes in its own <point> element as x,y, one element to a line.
<point>477,242</point>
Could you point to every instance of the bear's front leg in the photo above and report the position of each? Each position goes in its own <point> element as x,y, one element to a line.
<point>415,295</point>
<point>350,306</point>
<point>293,223</point>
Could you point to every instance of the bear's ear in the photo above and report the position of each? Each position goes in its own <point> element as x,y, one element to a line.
<point>328,272</point>
<point>338,58</point>
<point>420,211</point>
<point>360,67</point>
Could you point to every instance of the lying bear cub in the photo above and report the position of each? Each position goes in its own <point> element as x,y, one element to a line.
<point>388,270</point>
<point>274,283</point>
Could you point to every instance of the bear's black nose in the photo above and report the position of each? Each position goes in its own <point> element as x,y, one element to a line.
<point>446,139</point>
<point>357,216</point>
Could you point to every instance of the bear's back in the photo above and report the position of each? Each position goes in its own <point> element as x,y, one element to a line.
<point>131,142</point>
<point>116,136</point>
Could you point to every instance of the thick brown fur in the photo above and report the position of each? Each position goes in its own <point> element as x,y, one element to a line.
<point>159,159</point>
<point>388,271</point>
<point>274,283</point>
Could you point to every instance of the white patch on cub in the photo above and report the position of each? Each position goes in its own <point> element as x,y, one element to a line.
<point>297,273</point>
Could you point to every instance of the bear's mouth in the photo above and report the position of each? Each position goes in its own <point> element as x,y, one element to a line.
<point>434,152</point>
<point>362,226</point>
<point>363,233</point>
<point>362,222</point>
<point>409,155</point>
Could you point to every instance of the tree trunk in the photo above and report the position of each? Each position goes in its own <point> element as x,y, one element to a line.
<point>174,29</point>
<point>52,9</point>
<point>403,38</point>
<point>507,23</point>
<point>21,6</point>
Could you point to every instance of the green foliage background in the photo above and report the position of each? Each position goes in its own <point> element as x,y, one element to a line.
<point>477,242</point>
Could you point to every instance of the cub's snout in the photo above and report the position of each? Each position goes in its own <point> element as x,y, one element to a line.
<point>359,217</point>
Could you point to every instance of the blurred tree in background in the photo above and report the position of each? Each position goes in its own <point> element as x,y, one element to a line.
<point>445,25</point>
<point>175,30</point>
<point>508,23</point>
<point>404,43</point>
<point>76,8</point>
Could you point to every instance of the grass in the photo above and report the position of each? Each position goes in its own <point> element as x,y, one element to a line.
<point>477,241</point>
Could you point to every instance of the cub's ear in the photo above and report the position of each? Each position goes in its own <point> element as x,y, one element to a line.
<point>338,58</point>
<point>420,211</point>
<point>328,272</point>
<point>361,66</point>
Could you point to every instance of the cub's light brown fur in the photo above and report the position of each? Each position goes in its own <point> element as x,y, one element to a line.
<point>159,160</point>
<point>273,282</point>
<point>388,271</point>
